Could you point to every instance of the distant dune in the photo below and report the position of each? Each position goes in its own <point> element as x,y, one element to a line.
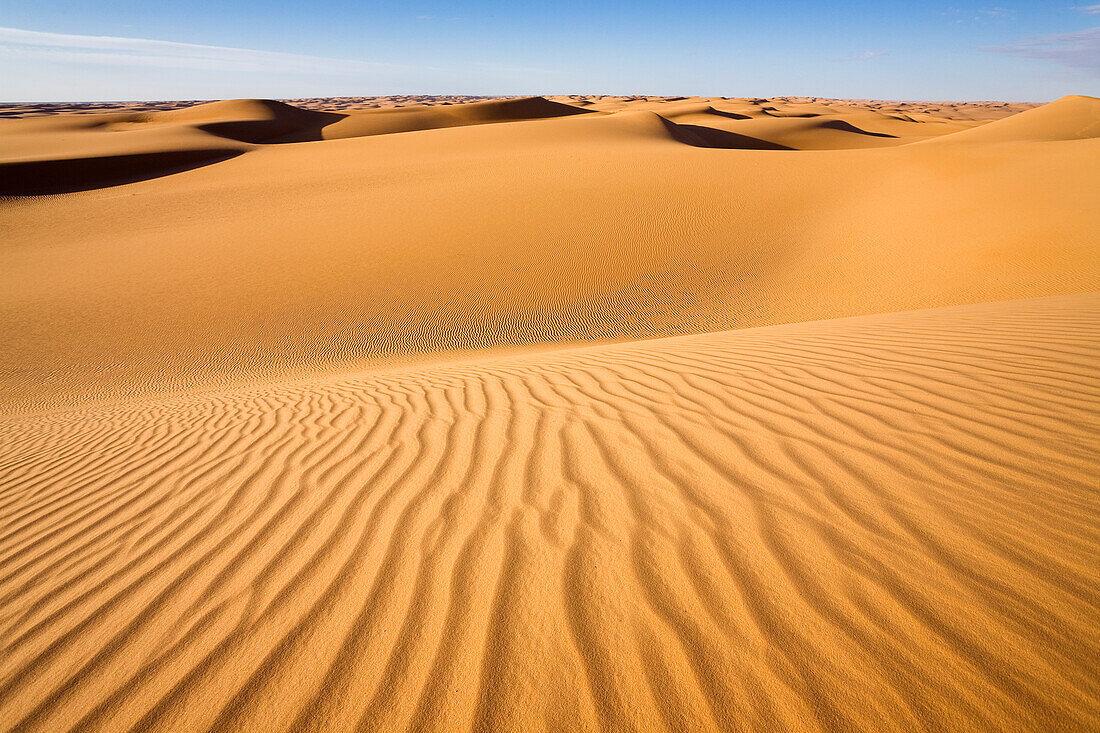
<point>569,413</point>
<point>1069,118</point>
<point>227,259</point>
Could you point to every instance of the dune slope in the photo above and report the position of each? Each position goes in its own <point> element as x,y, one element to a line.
<point>1075,117</point>
<point>581,413</point>
<point>619,224</point>
<point>886,522</point>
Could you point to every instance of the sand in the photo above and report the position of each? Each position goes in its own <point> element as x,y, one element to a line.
<point>571,413</point>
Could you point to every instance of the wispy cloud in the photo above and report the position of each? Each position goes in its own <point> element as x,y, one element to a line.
<point>863,56</point>
<point>117,51</point>
<point>1088,9</point>
<point>981,15</point>
<point>1080,49</point>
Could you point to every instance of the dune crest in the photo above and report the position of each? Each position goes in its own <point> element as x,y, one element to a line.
<point>41,155</point>
<point>159,139</point>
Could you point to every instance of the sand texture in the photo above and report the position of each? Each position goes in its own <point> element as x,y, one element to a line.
<point>571,413</point>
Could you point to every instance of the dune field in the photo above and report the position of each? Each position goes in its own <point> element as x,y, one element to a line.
<point>553,413</point>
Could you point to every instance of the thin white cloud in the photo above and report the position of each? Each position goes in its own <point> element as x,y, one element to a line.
<point>1088,9</point>
<point>980,15</point>
<point>864,56</point>
<point>117,51</point>
<point>1079,50</point>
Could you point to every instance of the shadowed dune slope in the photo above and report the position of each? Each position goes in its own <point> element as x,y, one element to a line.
<point>430,117</point>
<point>807,131</point>
<point>292,259</point>
<point>66,153</point>
<point>250,120</point>
<point>43,177</point>
<point>884,523</point>
<point>158,139</point>
<point>817,133</point>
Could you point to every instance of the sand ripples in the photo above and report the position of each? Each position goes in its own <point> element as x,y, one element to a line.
<point>887,522</point>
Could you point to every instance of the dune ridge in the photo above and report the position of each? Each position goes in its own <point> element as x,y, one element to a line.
<point>286,259</point>
<point>33,146</point>
<point>884,522</point>
<point>42,155</point>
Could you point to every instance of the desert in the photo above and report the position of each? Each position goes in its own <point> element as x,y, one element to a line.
<point>561,412</point>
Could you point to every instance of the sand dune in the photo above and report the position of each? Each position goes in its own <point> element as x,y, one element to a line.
<point>1070,118</point>
<point>570,413</point>
<point>320,104</point>
<point>42,155</point>
<point>286,259</point>
<point>887,522</point>
<point>162,138</point>
<point>387,121</point>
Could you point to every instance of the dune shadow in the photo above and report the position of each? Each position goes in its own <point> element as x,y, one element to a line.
<point>44,177</point>
<point>729,115</point>
<point>773,112</point>
<point>848,127</point>
<point>708,137</point>
<point>300,126</point>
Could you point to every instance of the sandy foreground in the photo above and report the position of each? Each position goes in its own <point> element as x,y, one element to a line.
<point>570,413</point>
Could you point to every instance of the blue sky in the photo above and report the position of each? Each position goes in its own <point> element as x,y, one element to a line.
<point>60,50</point>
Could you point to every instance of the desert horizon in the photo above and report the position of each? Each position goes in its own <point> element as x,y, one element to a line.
<point>562,412</point>
<point>17,108</point>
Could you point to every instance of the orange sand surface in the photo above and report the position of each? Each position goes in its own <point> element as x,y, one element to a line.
<point>566,413</point>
